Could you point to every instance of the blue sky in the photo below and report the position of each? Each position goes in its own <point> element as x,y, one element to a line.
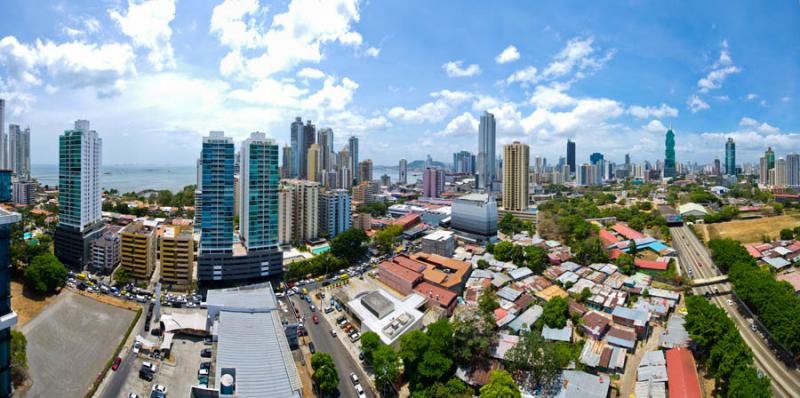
<point>409,78</point>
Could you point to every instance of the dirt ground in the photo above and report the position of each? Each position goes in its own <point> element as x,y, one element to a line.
<point>751,231</point>
<point>27,303</point>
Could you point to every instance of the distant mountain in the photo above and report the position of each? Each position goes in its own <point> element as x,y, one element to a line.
<point>420,164</point>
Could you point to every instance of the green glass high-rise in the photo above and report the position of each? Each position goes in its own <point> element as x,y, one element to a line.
<point>669,154</point>
<point>730,157</point>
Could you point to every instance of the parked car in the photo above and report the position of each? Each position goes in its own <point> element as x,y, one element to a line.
<point>202,372</point>
<point>205,365</point>
<point>160,388</point>
<point>205,353</point>
<point>133,395</point>
<point>313,308</point>
<point>149,366</point>
<point>333,332</point>
<point>354,378</point>
<point>311,347</point>
<point>115,364</point>
<point>145,374</point>
<point>360,391</point>
<point>315,319</point>
<point>328,310</point>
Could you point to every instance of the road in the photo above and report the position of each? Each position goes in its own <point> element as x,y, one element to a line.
<point>691,252</point>
<point>323,341</point>
<point>113,388</point>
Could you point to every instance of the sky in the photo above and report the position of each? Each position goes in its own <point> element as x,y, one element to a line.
<point>409,78</point>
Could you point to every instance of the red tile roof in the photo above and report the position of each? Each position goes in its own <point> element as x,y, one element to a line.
<point>400,272</point>
<point>650,264</point>
<point>608,238</point>
<point>441,295</point>
<point>615,253</point>
<point>627,232</point>
<point>408,220</point>
<point>408,263</point>
<point>753,251</point>
<point>682,374</point>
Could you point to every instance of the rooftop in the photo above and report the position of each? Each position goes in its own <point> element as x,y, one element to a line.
<point>390,325</point>
<point>682,373</point>
<point>627,232</point>
<point>252,297</point>
<point>439,235</point>
<point>433,292</point>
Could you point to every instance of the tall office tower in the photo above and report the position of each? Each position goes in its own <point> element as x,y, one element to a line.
<point>309,138</point>
<point>326,154</point>
<point>628,162</point>
<point>365,170</point>
<point>780,173</point>
<point>763,171</point>
<point>595,157</point>
<point>486,149</point>
<point>4,164</point>
<point>669,154</point>
<point>432,182</point>
<point>793,170</point>
<point>286,163</point>
<point>313,163</point>
<point>464,162</point>
<point>258,179</point>
<point>353,150</point>
<point>386,181</point>
<point>428,161</point>
<point>20,151</point>
<point>79,194</point>
<point>585,175</point>
<point>565,174</point>
<point>343,161</point>
<point>537,165</point>
<point>345,178</point>
<point>516,159</point>
<point>730,157</point>
<point>330,179</point>
<point>8,317</point>
<point>334,212</point>
<point>297,144</point>
<point>138,250</point>
<point>770,155</point>
<point>716,168</point>
<point>402,172</point>
<point>298,204</point>
<point>571,155</point>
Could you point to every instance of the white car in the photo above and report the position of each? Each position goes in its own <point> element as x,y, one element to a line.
<point>354,378</point>
<point>160,388</point>
<point>360,391</point>
<point>136,347</point>
<point>730,302</point>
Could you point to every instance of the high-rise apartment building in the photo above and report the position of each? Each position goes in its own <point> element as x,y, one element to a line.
<point>730,157</point>
<point>770,155</point>
<point>177,256</point>
<point>432,182</point>
<point>353,151</point>
<point>286,162</point>
<point>138,250</point>
<point>464,162</point>
<point>669,154</point>
<point>298,207</point>
<point>402,173</point>
<point>571,155</point>
<point>326,154</point>
<point>8,317</point>
<point>781,179</point>
<point>258,213</point>
<point>106,250</point>
<point>19,151</point>
<point>334,212</point>
<point>793,170</point>
<point>595,157</point>
<point>298,147</point>
<point>79,194</point>
<point>763,172</point>
<point>309,139</point>
<point>516,157</point>
<point>486,152</point>
<point>217,186</point>
<point>4,164</point>
<point>365,170</point>
<point>313,163</point>
<point>23,192</point>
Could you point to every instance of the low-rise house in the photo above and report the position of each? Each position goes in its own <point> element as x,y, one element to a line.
<point>636,319</point>
<point>526,319</point>
<point>563,334</point>
<point>577,384</point>
<point>438,297</point>
<point>505,342</point>
<point>675,335</point>
<point>622,337</point>
<point>595,324</point>
<point>682,374</point>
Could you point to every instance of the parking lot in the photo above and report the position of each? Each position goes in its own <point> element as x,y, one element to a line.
<point>70,342</point>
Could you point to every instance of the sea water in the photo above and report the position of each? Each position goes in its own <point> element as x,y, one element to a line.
<point>128,178</point>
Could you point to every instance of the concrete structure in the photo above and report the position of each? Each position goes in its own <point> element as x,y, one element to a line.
<point>3,138</point>
<point>24,192</point>
<point>296,132</point>
<point>313,163</point>
<point>398,277</point>
<point>362,221</point>
<point>334,212</point>
<point>365,192</point>
<point>570,157</point>
<point>439,242</point>
<point>106,250</point>
<point>464,162</point>
<point>692,209</point>
<point>79,194</point>
<point>365,171</point>
<point>258,213</point>
<point>486,152</point>
<point>298,208</point>
<point>515,176</point>
<point>177,256</point>
<point>475,215</point>
<point>8,317</point>
<point>19,151</point>
<point>352,143</point>
<point>432,182</point>
<point>389,317</point>
<point>402,173</point>
<point>138,250</point>
<point>286,162</point>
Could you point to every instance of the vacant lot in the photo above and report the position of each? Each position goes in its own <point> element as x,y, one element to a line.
<point>26,303</point>
<point>751,231</point>
<point>69,343</point>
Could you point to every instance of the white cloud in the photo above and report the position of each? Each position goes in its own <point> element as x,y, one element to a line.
<point>577,56</point>
<point>462,125</point>
<point>147,24</point>
<point>751,96</point>
<point>311,73</point>
<point>510,54</point>
<point>20,60</point>
<point>270,92</point>
<point>228,22</point>
<point>655,126</point>
<point>786,98</point>
<point>760,127</point>
<point>719,71</point>
<point>696,104</point>
<point>454,69</point>
<point>351,39</point>
<point>749,122</point>
<point>332,96</point>
<point>373,52</point>
<point>644,112</point>
<point>523,76</point>
<point>431,112</point>
<point>484,102</point>
<point>553,96</point>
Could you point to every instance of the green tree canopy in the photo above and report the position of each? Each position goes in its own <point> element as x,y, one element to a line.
<point>45,273</point>
<point>19,357</point>
<point>487,302</point>
<point>385,365</point>
<point>385,238</point>
<point>349,245</point>
<point>370,341</point>
<point>500,385</point>
<point>555,313</point>
<point>473,336</point>
<point>325,375</point>
<point>533,362</point>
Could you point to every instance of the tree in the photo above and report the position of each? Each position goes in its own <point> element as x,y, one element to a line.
<point>555,313</point>
<point>503,251</point>
<point>370,341</point>
<point>632,249</point>
<point>482,264</point>
<point>454,388</point>
<point>591,250</point>
<point>385,238</point>
<point>626,265</point>
<point>487,302</point>
<point>745,383</point>
<point>325,375</point>
<point>385,364</point>
<point>19,357</point>
<point>413,346</point>
<point>786,234</point>
<point>121,276</point>
<point>473,336</point>
<point>441,336</point>
<point>45,273</point>
<point>434,366</point>
<point>349,245</point>
<point>536,258</point>
<point>585,295</point>
<point>533,362</point>
<point>500,385</point>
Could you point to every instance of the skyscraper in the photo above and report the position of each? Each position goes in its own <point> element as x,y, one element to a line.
<point>309,138</point>
<point>20,151</point>
<point>297,143</point>
<point>595,157</point>
<point>780,173</point>
<point>486,148</point>
<point>8,316</point>
<point>258,182</point>
<point>402,173</point>
<point>793,170</point>
<point>464,162</point>
<point>365,170</point>
<point>669,154</point>
<point>79,194</point>
<point>313,163</point>
<point>353,149</point>
<point>326,155</point>
<point>216,162</point>
<point>286,164</point>
<point>432,182</point>
<point>770,155</point>
<point>3,138</point>
<point>298,206</point>
<point>334,212</point>
<point>763,171</point>
<point>516,164</point>
<point>730,157</point>
<point>571,155</point>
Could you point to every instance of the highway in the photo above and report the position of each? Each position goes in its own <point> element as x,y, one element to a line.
<point>324,342</point>
<point>692,253</point>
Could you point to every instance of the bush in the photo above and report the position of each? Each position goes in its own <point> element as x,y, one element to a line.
<point>19,357</point>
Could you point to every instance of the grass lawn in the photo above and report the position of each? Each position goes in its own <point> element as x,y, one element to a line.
<point>751,231</point>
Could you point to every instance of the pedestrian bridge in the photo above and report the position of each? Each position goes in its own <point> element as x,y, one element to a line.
<point>709,281</point>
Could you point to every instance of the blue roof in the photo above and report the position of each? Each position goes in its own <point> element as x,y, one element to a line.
<point>628,313</point>
<point>529,317</point>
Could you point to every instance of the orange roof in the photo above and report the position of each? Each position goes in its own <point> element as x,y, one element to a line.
<point>682,374</point>
<point>607,237</point>
<point>499,314</point>
<point>442,296</point>
<point>408,263</point>
<point>400,272</point>
<point>434,275</point>
<point>650,264</point>
<point>445,271</point>
<point>627,232</point>
<point>615,253</point>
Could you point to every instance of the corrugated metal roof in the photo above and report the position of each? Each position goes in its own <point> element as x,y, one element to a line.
<point>254,344</point>
<point>251,296</point>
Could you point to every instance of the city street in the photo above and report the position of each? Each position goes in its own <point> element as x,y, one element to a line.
<point>324,342</point>
<point>115,380</point>
<point>692,253</point>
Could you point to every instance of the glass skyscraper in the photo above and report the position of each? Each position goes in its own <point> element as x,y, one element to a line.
<point>353,150</point>
<point>571,155</point>
<point>730,157</point>
<point>486,151</point>
<point>669,154</point>
<point>216,163</point>
<point>258,224</point>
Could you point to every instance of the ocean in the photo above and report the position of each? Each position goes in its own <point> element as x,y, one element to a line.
<point>127,178</point>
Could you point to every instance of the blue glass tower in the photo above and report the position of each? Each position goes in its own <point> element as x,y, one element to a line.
<point>258,224</point>
<point>8,317</point>
<point>216,163</point>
